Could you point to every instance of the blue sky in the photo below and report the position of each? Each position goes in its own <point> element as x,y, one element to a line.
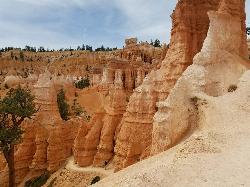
<point>64,23</point>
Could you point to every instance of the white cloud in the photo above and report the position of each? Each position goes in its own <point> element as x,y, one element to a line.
<point>51,22</point>
<point>147,19</point>
<point>143,18</point>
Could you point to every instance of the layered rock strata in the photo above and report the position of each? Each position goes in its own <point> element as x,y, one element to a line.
<point>47,139</point>
<point>95,146</point>
<point>190,25</point>
<point>205,100</point>
<point>119,79</point>
<point>77,63</point>
<point>216,70</point>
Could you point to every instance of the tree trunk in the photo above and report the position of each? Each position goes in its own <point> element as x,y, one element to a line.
<point>9,156</point>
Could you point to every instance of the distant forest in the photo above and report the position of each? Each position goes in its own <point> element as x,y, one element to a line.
<point>155,43</point>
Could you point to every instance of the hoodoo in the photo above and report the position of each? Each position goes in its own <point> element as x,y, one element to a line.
<point>148,114</point>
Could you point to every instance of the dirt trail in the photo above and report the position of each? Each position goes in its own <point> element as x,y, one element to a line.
<point>71,166</point>
<point>72,175</point>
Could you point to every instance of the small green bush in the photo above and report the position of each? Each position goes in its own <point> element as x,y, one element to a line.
<point>88,118</point>
<point>76,108</point>
<point>83,83</point>
<point>63,105</point>
<point>95,180</point>
<point>194,100</point>
<point>232,88</point>
<point>6,86</point>
<point>38,181</point>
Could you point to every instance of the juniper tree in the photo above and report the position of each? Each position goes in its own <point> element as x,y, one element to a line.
<point>63,105</point>
<point>15,107</point>
<point>157,43</point>
<point>248,30</point>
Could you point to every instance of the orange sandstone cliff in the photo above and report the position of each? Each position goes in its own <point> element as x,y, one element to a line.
<point>190,26</point>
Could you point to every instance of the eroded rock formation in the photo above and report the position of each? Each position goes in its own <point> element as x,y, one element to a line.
<point>120,77</point>
<point>48,140</point>
<point>113,75</point>
<point>190,25</point>
<point>203,102</point>
<point>218,66</point>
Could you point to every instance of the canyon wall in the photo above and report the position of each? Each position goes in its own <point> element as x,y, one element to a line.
<point>47,139</point>
<point>75,63</point>
<point>96,147</point>
<point>190,25</point>
<point>216,69</point>
<point>124,71</point>
<point>205,117</point>
<point>141,111</point>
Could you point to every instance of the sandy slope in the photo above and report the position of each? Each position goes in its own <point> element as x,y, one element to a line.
<point>216,154</point>
<point>73,167</point>
<point>72,175</point>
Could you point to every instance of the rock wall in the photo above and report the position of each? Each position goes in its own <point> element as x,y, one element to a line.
<point>236,8</point>
<point>215,70</point>
<point>47,139</point>
<point>77,63</point>
<point>96,145</point>
<point>190,25</point>
<point>208,110</point>
<point>121,76</point>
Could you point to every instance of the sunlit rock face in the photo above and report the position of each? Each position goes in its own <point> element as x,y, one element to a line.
<point>198,119</point>
<point>218,66</point>
<point>236,8</point>
<point>190,26</point>
<point>47,139</point>
<point>94,144</point>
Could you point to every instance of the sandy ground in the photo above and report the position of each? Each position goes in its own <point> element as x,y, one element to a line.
<point>72,175</point>
<point>73,167</point>
<point>217,154</point>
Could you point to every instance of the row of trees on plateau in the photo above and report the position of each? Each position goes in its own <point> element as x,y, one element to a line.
<point>83,47</point>
<point>156,43</point>
<point>42,49</point>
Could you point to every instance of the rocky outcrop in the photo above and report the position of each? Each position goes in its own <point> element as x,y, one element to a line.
<point>12,81</point>
<point>53,135</point>
<point>87,140</point>
<point>190,25</point>
<point>47,139</point>
<point>116,105</point>
<point>95,146</point>
<point>216,70</point>
<point>201,112</point>
<point>236,8</point>
<point>121,76</point>
<point>77,63</point>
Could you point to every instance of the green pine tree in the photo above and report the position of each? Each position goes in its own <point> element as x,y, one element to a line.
<point>15,107</point>
<point>63,105</point>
